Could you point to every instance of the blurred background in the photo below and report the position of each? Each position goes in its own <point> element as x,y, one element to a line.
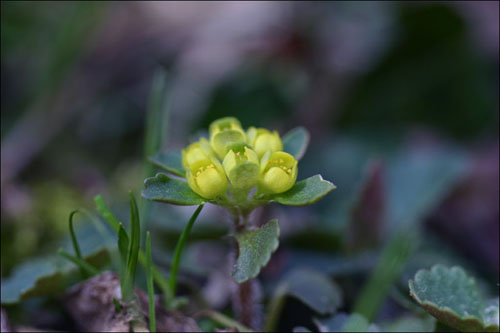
<point>401,100</point>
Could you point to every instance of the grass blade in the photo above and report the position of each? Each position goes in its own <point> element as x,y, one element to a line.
<point>392,261</point>
<point>149,279</point>
<point>89,269</point>
<point>123,243</point>
<point>106,213</point>
<point>158,277</point>
<point>133,251</point>
<point>223,320</point>
<point>72,234</point>
<point>178,251</point>
<point>156,120</point>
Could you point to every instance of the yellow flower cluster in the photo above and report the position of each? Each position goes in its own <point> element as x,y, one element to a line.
<point>240,159</point>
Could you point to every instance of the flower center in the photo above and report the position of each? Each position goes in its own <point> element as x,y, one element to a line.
<point>280,163</point>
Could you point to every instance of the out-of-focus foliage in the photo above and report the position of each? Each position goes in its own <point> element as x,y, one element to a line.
<point>401,100</point>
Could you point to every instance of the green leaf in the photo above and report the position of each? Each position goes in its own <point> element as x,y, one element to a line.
<point>123,242</point>
<point>305,192</point>
<point>157,114</point>
<point>343,322</point>
<point>162,188</point>
<point>170,161</point>
<point>295,142</point>
<point>491,312</point>
<point>45,276</point>
<point>452,296</point>
<point>106,212</point>
<point>255,249</point>
<point>389,266</point>
<point>48,275</point>
<point>133,251</point>
<point>150,286</point>
<point>84,266</point>
<point>409,323</point>
<point>72,235</point>
<point>178,252</point>
<point>316,290</point>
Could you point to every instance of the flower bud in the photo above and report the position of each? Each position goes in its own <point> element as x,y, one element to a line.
<point>224,132</point>
<point>263,140</point>
<point>207,178</point>
<point>242,166</point>
<point>278,172</point>
<point>195,152</point>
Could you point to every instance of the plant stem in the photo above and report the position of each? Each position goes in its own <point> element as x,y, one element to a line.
<point>172,282</point>
<point>245,294</point>
<point>150,285</point>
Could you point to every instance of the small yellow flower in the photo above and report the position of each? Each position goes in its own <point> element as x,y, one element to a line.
<point>207,178</point>
<point>264,141</point>
<point>278,172</point>
<point>224,132</point>
<point>242,166</point>
<point>195,152</point>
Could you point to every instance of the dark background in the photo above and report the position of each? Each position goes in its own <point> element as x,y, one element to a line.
<point>401,100</point>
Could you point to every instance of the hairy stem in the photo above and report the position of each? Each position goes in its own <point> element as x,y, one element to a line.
<point>246,295</point>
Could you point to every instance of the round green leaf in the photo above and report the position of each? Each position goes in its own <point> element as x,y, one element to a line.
<point>255,247</point>
<point>451,296</point>
<point>162,188</point>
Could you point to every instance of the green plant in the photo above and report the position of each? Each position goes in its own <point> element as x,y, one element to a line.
<point>240,171</point>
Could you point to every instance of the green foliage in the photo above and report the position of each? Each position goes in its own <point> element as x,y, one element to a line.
<point>305,192</point>
<point>295,142</point>
<point>314,289</point>
<point>178,252</point>
<point>162,188</point>
<point>255,249</point>
<point>46,276</point>
<point>128,279</point>
<point>150,285</point>
<point>343,322</point>
<point>452,296</point>
<point>87,269</point>
<point>170,161</point>
<point>390,265</point>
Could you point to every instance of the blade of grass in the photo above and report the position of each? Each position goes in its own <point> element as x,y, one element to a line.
<point>106,213</point>
<point>172,282</point>
<point>156,120</point>
<point>133,251</point>
<point>82,264</point>
<point>123,243</point>
<point>72,234</point>
<point>155,133</point>
<point>160,280</point>
<point>96,224</point>
<point>149,279</point>
<point>223,320</point>
<point>275,308</point>
<point>392,261</point>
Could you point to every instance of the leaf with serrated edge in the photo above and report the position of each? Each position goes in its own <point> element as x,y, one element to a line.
<point>255,248</point>
<point>170,161</point>
<point>305,192</point>
<point>162,188</point>
<point>451,296</point>
<point>295,142</point>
